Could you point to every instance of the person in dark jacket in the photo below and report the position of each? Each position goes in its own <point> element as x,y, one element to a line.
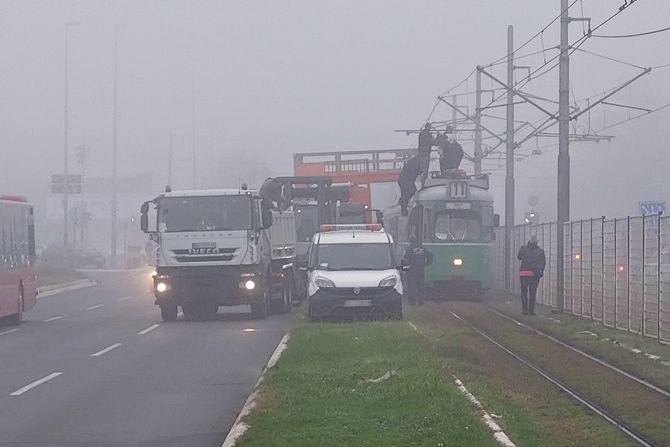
<point>426,143</point>
<point>452,151</point>
<point>417,257</point>
<point>531,270</point>
<point>407,182</point>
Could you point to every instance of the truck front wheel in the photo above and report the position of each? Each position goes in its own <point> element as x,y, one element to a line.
<point>168,311</point>
<point>259,306</point>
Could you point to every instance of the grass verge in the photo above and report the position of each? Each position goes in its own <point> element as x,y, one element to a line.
<point>318,394</point>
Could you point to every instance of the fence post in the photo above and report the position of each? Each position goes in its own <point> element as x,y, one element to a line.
<point>644,294</point>
<point>591,260</point>
<point>602,270</point>
<point>581,268</point>
<point>658,278</point>
<point>628,267</point>
<point>616,277</point>
<point>550,256</point>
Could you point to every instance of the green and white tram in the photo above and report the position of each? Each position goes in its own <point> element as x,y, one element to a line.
<point>454,217</point>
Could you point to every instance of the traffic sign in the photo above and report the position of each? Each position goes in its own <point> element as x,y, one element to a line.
<point>647,208</point>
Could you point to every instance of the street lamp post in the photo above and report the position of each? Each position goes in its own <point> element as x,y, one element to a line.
<point>66,184</point>
<point>115,192</point>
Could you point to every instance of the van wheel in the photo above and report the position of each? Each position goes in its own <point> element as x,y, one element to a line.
<point>288,298</point>
<point>168,311</point>
<point>259,307</point>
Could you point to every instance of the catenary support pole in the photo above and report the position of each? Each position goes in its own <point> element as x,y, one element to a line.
<point>563,205</point>
<point>115,180</point>
<point>509,154</point>
<point>478,124</point>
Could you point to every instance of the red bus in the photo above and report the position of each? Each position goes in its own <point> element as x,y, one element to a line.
<point>18,284</point>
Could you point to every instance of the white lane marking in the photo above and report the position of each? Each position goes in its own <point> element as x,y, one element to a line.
<point>35,384</point>
<point>9,331</point>
<point>106,350</point>
<point>149,329</point>
<point>180,314</point>
<point>95,307</point>
<point>57,317</point>
<point>125,298</point>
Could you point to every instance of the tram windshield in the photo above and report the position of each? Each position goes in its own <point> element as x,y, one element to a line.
<point>458,226</point>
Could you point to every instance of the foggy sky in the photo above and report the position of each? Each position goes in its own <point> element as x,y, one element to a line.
<point>277,77</point>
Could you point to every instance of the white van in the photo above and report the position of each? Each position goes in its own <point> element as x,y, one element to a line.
<point>352,272</point>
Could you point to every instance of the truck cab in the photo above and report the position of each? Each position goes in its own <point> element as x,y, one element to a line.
<point>216,248</point>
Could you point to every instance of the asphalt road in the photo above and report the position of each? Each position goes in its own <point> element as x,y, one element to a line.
<point>98,367</point>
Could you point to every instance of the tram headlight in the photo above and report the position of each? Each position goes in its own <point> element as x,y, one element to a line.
<point>458,262</point>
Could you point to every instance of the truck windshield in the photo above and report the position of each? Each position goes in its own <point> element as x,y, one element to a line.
<point>204,213</point>
<point>458,226</point>
<point>306,222</point>
<point>369,256</point>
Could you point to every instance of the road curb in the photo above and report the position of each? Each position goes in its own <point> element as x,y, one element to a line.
<point>239,427</point>
<point>55,289</point>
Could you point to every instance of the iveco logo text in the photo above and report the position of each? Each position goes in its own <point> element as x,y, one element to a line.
<point>204,251</point>
<point>357,290</point>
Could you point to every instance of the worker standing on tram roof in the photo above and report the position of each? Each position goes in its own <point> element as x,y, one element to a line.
<point>452,151</point>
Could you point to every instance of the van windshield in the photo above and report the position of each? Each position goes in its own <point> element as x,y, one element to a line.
<point>369,256</point>
<point>204,213</point>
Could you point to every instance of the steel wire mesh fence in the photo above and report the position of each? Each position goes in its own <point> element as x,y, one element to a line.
<point>616,271</point>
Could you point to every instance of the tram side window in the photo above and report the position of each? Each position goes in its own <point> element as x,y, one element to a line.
<point>427,222</point>
<point>415,224</point>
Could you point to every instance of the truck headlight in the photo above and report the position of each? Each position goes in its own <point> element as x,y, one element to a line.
<point>458,262</point>
<point>161,287</point>
<point>249,285</point>
<point>391,281</point>
<point>324,283</point>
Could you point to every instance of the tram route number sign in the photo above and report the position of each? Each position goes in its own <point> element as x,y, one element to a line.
<point>60,186</point>
<point>647,208</point>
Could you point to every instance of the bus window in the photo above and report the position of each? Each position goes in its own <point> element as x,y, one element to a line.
<point>458,226</point>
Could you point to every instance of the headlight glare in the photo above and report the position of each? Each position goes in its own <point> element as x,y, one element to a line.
<point>161,287</point>
<point>250,285</point>
<point>458,262</point>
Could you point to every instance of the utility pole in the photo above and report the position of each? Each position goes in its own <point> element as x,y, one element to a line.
<point>170,158</point>
<point>563,211</point>
<point>115,186</point>
<point>478,123</point>
<point>66,142</point>
<point>509,155</point>
<point>193,125</point>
